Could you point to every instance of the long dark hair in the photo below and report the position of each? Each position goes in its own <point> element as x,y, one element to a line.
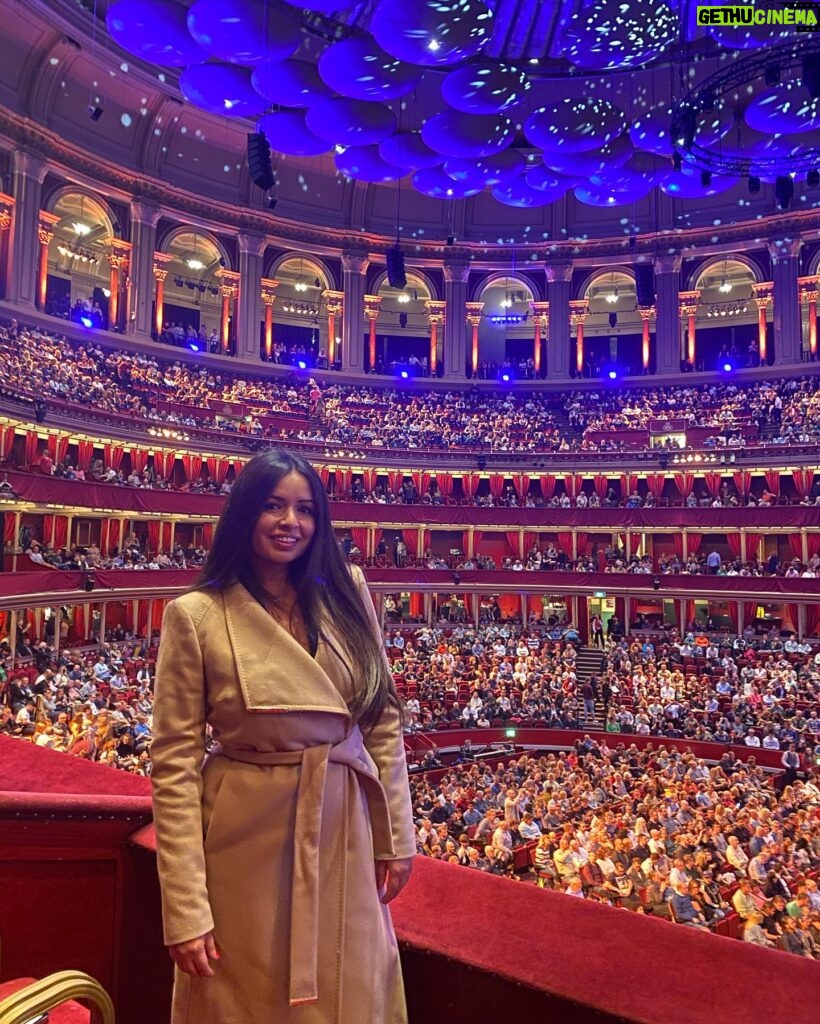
<point>324,587</point>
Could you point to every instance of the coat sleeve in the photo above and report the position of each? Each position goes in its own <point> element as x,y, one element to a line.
<point>385,744</point>
<point>177,753</point>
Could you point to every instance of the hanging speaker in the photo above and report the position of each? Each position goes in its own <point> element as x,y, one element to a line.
<point>259,161</point>
<point>402,319</point>
<point>396,275</point>
<point>645,284</point>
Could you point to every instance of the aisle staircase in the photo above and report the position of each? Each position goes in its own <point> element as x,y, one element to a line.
<point>588,663</point>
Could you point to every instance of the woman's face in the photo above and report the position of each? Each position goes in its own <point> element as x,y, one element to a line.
<point>285,527</point>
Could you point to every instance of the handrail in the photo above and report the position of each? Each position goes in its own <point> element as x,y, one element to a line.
<point>41,996</point>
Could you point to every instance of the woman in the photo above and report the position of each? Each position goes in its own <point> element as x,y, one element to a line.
<point>266,848</point>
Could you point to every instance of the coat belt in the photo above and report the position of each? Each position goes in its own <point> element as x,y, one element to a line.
<point>304,898</point>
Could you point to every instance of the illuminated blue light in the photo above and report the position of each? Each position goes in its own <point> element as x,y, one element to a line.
<point>404,374</point>
<point>86,321</point>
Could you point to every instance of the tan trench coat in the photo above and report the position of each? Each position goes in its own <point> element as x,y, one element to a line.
<point>272,846</point>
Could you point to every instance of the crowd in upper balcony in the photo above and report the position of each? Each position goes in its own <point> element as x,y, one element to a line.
<point>42,366</point>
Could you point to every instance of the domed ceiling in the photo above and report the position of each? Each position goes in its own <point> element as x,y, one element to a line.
<point>521,104</point>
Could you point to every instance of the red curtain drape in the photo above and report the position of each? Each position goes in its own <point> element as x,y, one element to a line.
<point>113,455</point>
<point>803,481</point>
<point>791,616</point>
<point>582,625</point>
<point>496,484</point>
<point>693,540</point>
<point>772,477</point>
<point>422,481</point>
<point>572,485</point>
<point>207,535</point>
<point>60,531</point>
<point>600,483</point>
<point>752,544</point>
<point>469,484</point>
<point>629,482</point>
<point>395,477</point>
<point>581,542</point>
<point>165,537</point>
<point>477,538</point>
<point>324,475</point>
<point>153,535</point>
<point>796,544</point>
<point>368,480</point>
<point>465,540</point>
<point>48,530</point>
<point>411,542</point>
<point>193,466</point>
<point>547,482</point>
<point>655,483</point>
<point>32,444</point>
<point>142,618</point>
<point>115,538</point>
<point>512,542</point>
<point>812,619</point>
<point>85,452</point>
<point>139,460</point>
<point>743,481</point>
<point>733,540</point>
<point>445,484</point>
<point>105,543</point>
<point>7,436</point>
<point>10,530</point>
<point>343,478</point>
<point>713,482</point>
<point>359,535</point>
<point>60,448</point>
<point>530,540</point>
<point>164,463</point>
<point>684,483</point>
<point>157,612</point>
<point>217,469</point>
<point>523,483</point>
<point>814,544</point>
<point>78,622</point>
<point>565,543</point>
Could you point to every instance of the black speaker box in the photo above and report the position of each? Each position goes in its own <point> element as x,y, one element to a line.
<point>396,274</point>
<point>259,161</point>
<point>645,284</point>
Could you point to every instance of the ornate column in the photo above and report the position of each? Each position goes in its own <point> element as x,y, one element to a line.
<point>45,232</point>
<point>371,312</point>
<point>785,257</point>
<point>334,307</point>
<point>473,316</point>
<point>688,304</point>
<point>354,269</point>
<point>229,289</point>
<point>456,273</point>
<point>667,318</point>
<point>646,313</point>
<point>6,218</point>
<point>541,325</point>
<point>436,315</point>
<point>119,259</point>
<point>578,312</point>
<point>559,289</point>
<point>144,220</point>
<point>762,294</point>
<point>27,191</point>
<point>809,287</point>
<point>160,272</point>
<point>268,297</point>
<point>249,306</point>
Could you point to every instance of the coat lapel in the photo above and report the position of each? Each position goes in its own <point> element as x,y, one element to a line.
<point>275,672</point>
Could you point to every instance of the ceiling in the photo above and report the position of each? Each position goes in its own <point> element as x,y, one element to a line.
<point>531,121</point>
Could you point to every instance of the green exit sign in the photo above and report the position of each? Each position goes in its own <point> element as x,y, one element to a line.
<point>599,593</point>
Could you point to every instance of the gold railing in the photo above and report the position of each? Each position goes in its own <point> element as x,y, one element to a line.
<point>41,996</point>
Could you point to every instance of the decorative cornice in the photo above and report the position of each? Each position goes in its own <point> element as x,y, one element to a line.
<point>55,152</point>
<point>688,302</point>
<point>474,314</point>
<point>436,311</point>
<point>268,286</point>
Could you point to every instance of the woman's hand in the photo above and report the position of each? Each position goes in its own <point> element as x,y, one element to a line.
<point>192,957</point>
<point>392,876</point>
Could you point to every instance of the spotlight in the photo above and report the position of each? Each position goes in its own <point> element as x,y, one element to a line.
<point>771,74</point>
<point>656,583</point>
<point>302,364</point>
<point>706,178</point>
<point>404,374</point>
<point>505,377</point>
<point>813,178</point>
<point>193,346</point>
<point>89,582</point>
<point>613,319</point>
<point>272,201</point>
<point>754,184</point>
<point>86,321</point>
<point>402,319</point>
<point>95,113</point>
<point>784,190</point>
<point>612,374</point>
<point>727,367</point>
<point>683,130</point>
